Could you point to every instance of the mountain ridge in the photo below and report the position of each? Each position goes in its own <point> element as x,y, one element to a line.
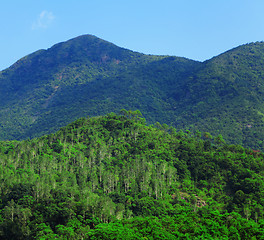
<point>90,76</point>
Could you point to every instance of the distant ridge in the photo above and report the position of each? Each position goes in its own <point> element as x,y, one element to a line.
<point>89,76</point>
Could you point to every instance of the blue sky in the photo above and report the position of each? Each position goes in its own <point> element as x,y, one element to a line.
<point>196,29</point>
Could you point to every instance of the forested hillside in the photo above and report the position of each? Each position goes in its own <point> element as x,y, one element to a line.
<point>114,177</point>
<point>87,76</point>
<point>84,76</point>
<point>227,96</point>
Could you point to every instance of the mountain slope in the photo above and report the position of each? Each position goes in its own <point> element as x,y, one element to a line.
<point>226,96</point>
<point>89,76</point>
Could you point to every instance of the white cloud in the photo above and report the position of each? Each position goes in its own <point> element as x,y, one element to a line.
<point>45,18</point>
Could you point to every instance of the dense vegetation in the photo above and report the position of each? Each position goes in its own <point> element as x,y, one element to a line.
<point>89,76</point>
<point>114,177</point>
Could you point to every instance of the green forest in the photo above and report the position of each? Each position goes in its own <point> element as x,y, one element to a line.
<point>115,177</point>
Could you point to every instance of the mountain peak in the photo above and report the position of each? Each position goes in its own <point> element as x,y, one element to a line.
<point>84,49</point>
<point>88,47</point>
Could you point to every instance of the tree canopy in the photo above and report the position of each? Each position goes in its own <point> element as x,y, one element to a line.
<point>114,177</point>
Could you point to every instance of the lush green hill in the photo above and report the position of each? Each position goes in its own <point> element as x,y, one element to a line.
<point>89,76</point>
<point>113,177</point>
<point>226,96</point>
<point>80,77</point>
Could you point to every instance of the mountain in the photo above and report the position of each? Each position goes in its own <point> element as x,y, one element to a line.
<point>89,76</point>
<point>114,177</point>
<point>83,76</point>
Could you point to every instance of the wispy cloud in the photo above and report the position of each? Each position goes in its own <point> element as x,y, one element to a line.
<point>44,20</point>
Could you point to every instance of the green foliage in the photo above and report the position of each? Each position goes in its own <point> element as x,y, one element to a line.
<point>114,177</point>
